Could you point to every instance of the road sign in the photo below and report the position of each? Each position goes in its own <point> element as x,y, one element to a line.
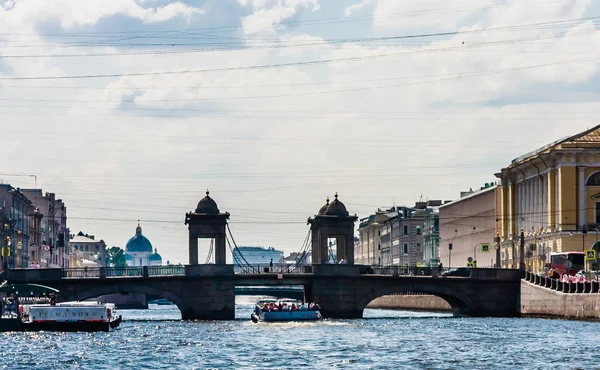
<point>590,255</point>
<point>470,259</point>
<point>46,248</point>
<point>485,247</point>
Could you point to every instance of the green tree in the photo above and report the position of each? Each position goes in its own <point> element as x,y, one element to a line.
<point>116,257</point>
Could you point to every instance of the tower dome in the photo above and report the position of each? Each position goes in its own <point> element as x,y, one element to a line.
<point>138,242</point>
<point>324,208</point>
<point>336,208</point>
<point>155,257</point>
<point>207,205</point>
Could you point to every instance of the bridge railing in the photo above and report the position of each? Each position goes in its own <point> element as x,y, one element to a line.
<point>81,272</point>
<point>398,270</point>
<point>275,269</point>
<point>166,270</point>
<point>130,271</point>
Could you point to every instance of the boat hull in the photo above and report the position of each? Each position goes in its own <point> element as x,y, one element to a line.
<point>8,325</point>
<point>282,316</point>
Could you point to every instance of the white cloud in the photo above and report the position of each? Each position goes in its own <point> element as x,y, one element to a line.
<point>268,14</point>
<point>354,8</point>
<point>80,13</point>
<point>271,159</point>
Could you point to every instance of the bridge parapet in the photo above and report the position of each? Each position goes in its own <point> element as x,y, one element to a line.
<point>34,275</point>
<point>209,270</point>
<point>336,270</point>
<point>496,274</point>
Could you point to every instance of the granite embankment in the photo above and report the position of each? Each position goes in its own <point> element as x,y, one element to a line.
<point>544,302</point>
<point>410,302</point>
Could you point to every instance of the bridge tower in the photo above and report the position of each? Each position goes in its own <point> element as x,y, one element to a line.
<point>332,221</point>
<point>207,222</point>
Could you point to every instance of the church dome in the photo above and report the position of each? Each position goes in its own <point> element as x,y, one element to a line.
<point>336,208</point>
<point>207,205</point>
<point>324,208</point>
<point>138,243</point>
<point>155,256</point>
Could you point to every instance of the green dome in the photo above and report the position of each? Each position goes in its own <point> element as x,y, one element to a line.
<point>155,256</point>
<point>138,243</point>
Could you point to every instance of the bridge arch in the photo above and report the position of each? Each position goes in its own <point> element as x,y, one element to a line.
<point>136,288</point>
<point>459,302</point>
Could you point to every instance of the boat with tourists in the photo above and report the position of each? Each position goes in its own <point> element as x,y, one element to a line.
<point>271,310</point>
<point>32,307</point>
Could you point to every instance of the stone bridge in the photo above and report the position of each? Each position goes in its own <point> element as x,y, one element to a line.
<point>207,292</point>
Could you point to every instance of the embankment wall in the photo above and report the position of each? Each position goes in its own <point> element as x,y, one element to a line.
<point>539,301</point>
<point>410,302</point>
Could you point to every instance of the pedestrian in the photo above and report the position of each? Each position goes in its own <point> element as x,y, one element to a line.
<point>440,267</point>
<point>271,265</point>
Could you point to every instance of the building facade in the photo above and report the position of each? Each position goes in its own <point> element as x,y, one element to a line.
<point>466,224</point>
<point>431,234</point>
<point>54,230</point>
<point>88,250</point>
<point>552,195</point>
<point>16,212</point>
<point>370,245</point>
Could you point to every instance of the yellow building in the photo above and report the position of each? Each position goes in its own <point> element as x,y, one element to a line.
<point>553,195</point>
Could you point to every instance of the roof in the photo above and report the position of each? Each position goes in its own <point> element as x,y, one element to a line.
<point>472,195</point>
<point>589,136</point>
<point>207,205</point>
<point>138,242</point>
<point>27,289</point>
<point>83,239</point>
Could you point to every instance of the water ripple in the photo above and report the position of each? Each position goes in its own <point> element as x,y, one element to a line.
<point>384,340</point>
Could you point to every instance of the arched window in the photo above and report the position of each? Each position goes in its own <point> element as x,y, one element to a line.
<point>593,180</point>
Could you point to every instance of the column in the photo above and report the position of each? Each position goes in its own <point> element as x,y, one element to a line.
<point>340,248</point>
<point>220,250</point>
<point>551,199</point>
<point>556,200</point>
<point>193,250</point>
<point>504,213</point>
<point>512,205</point>
<point>582,211</point>
<point>349,240</point>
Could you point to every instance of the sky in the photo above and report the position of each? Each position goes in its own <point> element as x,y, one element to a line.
<point>132,109</point>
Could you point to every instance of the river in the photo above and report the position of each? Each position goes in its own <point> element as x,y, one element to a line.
<point>384,339</point>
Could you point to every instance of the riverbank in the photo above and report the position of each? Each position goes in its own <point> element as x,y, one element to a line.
<point>416,302</point>
<point>537,301</point>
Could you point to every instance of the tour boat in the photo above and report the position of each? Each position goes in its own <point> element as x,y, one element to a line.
<point>274,316</point>
<point>22,311</point>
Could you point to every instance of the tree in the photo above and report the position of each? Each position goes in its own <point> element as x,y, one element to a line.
<point>116,257</point>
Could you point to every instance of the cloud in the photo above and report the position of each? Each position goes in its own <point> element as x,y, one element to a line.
<point>407,117</point>
<point>268,14</point>
<point>80,13</point>
<point>356,7</point>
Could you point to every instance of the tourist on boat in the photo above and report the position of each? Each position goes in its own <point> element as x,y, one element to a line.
<point>343,261</point>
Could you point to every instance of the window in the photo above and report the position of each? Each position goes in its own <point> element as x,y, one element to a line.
<point>405,229</point>
<point>418,246</point>
<point>140,261</point>
<point>598,212</point>
<point>418,230</point>
<point>405,248</point>
<point>593,180</point>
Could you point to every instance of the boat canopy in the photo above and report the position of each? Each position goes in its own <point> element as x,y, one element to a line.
<point>28,289</point>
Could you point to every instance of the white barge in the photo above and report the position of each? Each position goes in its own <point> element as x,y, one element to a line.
<point>20,315</point>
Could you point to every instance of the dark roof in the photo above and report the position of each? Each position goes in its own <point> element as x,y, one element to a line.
<point>324,208</point>
<point>336,208</point>
<point>207,205</point>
